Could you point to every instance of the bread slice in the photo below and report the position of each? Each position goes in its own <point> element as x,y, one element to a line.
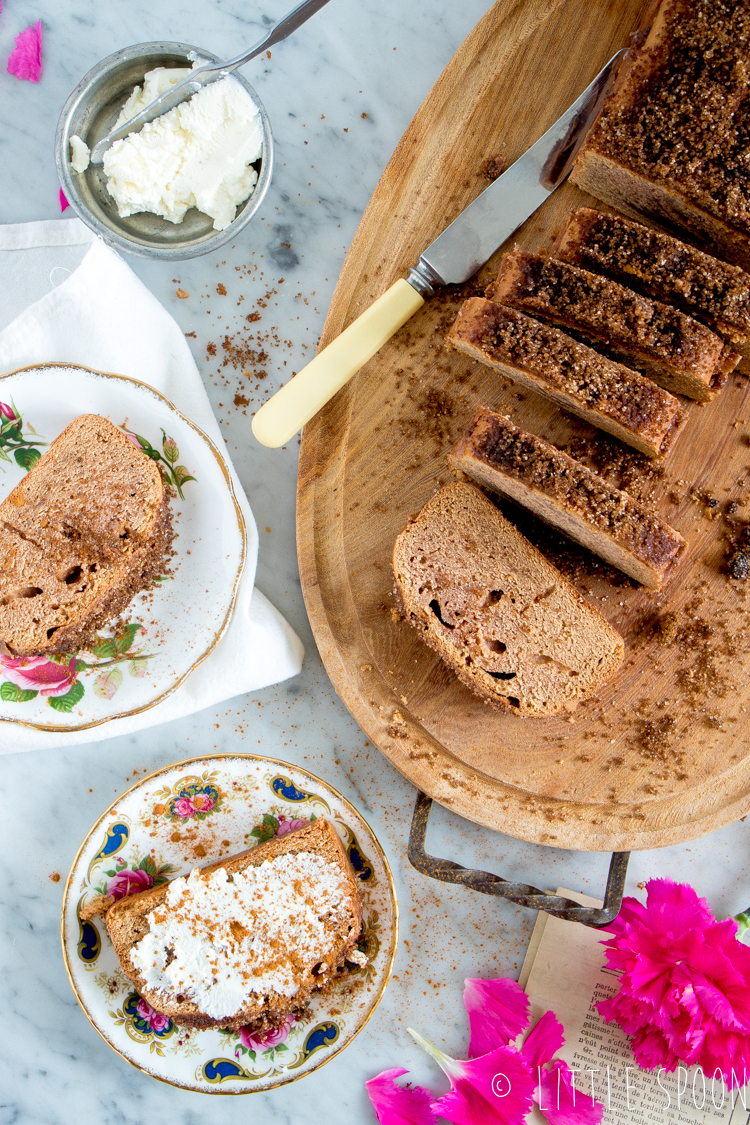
<point>663,267</point>
<point>83,532</point>
<point>505,620</point>
<point>128,923</point>
<point>566,494</point>
<point>602,392</point>
<point>671,142</point>
<point>674,350</point>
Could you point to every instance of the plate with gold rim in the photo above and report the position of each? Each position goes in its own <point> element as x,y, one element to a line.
<point>167,630</point>
<point>190,814</point>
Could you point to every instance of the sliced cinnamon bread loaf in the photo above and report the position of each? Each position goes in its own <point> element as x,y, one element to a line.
<point>566,494</point>
<point>597,389</point>
<point>82,533</point>
<point>498,613</point>
<point>674,350</point>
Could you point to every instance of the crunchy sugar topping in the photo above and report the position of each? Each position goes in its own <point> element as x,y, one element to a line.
<point>547,470</point>
<point>685,123</point>
<point>601,307</point>
<point>222,940</point>
<point>662,266</point>
<point>506,335</point>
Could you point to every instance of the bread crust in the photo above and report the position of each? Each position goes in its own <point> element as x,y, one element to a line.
<point>496,611</point>
<point>671,140</point>
<point>126,922</point>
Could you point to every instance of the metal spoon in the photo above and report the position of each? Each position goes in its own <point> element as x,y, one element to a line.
<point>211,72</point>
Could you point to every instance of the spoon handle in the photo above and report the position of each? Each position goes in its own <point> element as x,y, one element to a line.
<point>204,75</point>
<point>282,30</point>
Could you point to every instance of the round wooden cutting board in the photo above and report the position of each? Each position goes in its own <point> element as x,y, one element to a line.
<point>662,754</point>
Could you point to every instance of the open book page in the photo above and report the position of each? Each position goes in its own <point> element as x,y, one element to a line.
<point>565,969</point>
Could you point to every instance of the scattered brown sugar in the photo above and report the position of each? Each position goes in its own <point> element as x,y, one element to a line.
<point>655,737</point>
<point>739,564</point>
<point>493,168</point>
<point>55,877</point>
<point>182,294</point>
<point>666,629</point>
<point>221,289</point>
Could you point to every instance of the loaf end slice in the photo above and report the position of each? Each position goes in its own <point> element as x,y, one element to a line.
<point>127,923</point>
<point>496,611</point>
<point>671,143</point>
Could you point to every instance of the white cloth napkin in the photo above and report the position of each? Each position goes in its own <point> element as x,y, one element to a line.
<point>68,297</point>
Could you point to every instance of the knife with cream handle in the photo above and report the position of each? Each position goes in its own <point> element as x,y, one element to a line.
<point>452,258</point>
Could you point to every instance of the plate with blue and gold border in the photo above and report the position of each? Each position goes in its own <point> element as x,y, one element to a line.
<point>188,815</point>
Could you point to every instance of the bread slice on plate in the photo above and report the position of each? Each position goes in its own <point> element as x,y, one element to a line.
<point>568,495</point>
<point>497,612</point>
<point>273,924</point>
<point>85,530</point>
<point>674,350</point>
<point>604,393</point>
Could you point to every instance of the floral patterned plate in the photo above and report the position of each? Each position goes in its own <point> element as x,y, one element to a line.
<point>190,814</point>
<point>169,630</point>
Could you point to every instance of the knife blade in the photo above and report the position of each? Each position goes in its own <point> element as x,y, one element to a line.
<point>456,254</point>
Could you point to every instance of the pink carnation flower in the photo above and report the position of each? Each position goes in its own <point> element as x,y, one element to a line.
<point>155,1020</point>
<point>37,673</point>
<point>254,1042</point>
<point>26,57</point>
<point>126,883</point>
<point>63,200</point>
<point>685,985</point>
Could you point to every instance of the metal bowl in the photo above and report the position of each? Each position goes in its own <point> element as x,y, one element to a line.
<point>91,111</point>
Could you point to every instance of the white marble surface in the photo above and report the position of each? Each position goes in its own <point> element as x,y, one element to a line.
<point>373,57</point>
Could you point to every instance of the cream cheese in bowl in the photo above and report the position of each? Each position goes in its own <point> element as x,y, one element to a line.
<point>199,154</point>
<point>190,180</point>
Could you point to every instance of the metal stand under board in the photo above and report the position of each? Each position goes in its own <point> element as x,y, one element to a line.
<point>446,871</point>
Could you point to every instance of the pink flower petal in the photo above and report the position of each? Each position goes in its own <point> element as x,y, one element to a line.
<point>399,1105</point>
<point>542,1042</point>
<point>63,200</point>
<point>498,1010</point>
<point>563,1104</point>
<point>495,1089</point>
<point>652,1050</point>
<point>26,57</point>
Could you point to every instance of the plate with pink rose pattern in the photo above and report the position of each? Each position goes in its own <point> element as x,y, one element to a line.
<point>166,631</point>
<point>194,813</point>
